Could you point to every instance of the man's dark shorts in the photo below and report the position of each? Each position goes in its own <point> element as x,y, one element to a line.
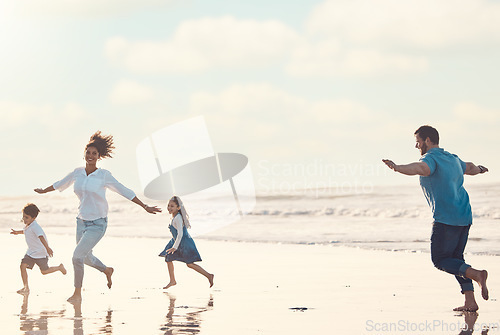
<point>43,263</point>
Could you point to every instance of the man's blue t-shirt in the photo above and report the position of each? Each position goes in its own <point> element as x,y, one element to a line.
<point>444,189</point>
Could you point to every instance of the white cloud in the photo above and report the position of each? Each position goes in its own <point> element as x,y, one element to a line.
<point>385,37</point>
<point>198,45</point>
<point>327,59</point>
<point>281,124</point>
<point>85,8</point>
<point>16,114</point>
<point>413,23</point>
<point>470,112</point>
<point>129,92</point>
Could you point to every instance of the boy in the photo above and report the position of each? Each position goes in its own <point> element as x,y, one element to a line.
<point>38,248</point>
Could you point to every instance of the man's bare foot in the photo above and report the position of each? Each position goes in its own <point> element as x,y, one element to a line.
<point>75,299</point>
<point>467,308</point>
<point>211,280</point>
<point>24,290</point>
<point>109,272</point>
<point>482,283</point>
<point>480,277</point>
<point>172,283</point>
<point>62,269</point>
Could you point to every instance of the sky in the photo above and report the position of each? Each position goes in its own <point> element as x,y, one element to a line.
<point>314,93</point>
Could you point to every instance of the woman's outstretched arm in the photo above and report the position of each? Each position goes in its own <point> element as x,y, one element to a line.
<point>149,209</point>
<point>44,190</point>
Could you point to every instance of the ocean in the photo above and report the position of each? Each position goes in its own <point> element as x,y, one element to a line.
<point>393,218</point>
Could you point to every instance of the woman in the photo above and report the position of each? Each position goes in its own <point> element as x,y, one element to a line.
<point>90,184</point>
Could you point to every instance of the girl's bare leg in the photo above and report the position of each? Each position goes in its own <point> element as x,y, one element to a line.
<point>199,269</point>
<point>170,266</point>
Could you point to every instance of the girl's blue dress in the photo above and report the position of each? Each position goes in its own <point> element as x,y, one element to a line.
<point>186,252</point>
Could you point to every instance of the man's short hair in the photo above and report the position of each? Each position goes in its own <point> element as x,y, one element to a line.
<point>31,210</point>
<point>428,131</point>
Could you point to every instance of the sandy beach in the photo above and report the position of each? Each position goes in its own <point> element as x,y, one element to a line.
<point>260,288</point>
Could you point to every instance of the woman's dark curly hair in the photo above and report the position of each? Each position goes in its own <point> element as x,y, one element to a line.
<point>103,144</point>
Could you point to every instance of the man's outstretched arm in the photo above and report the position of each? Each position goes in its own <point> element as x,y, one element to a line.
<point>412,169</point>
<point>472,169</point>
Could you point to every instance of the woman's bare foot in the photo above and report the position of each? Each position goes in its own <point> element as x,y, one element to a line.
<point>211,280</point>
<point>109,272</point>
<point>170,285</point>
<point>24,290</point>
<point>75,299</point>
<point>62,269</point>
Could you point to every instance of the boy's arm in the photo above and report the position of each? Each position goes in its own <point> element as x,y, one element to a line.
<point>46,245</point>
<point>16,232</point>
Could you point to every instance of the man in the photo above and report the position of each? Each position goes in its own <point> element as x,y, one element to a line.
<point>441,179</point>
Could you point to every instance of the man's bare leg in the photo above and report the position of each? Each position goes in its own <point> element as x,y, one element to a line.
<point>170,266</point>
<point>470,304</point>
<point>479,276</point>
<point>24,277</point>
<point>199,269</point>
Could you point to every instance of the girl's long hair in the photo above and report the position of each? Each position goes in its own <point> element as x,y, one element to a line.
<point>183,212</point>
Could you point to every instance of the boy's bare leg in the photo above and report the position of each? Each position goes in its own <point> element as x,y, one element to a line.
<point>77,296</point>
<point>54,269</point>
<point>170,266</point>
<point>199,269</point>
<point>470,304</point>
<point>24,277</point>
<point>479,276</point>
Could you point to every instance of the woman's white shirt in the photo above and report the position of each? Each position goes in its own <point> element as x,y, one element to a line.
<point>178,224</point>
<point>91,190</point>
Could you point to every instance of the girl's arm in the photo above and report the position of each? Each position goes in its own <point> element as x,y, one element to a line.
<point>44,190</point>
<point>16,232</point>
<point>180,232</point>
<point>46,245</point>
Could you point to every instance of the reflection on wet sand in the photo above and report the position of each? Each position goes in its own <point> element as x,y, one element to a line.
<point>77,320</point>
<point>39,324</point>
<point>187,320</point>
<point>470,319</point>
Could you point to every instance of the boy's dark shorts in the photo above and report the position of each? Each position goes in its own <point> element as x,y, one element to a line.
<point>43,263</point>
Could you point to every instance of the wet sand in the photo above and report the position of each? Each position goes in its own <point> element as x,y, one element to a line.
<point>259,289</point>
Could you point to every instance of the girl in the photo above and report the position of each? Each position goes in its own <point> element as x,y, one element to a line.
<point>90,184</point>
<point>181,247</point>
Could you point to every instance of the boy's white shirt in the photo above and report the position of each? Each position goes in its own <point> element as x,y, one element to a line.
<point>32,235</point>
<point>91,190</point>
<point>177,223</point>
